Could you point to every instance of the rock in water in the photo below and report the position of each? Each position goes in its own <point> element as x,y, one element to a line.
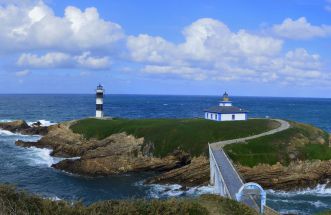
<point>15,126</point>
<point>20,126</point>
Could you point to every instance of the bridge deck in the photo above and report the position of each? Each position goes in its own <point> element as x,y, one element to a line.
<point>230,175</point>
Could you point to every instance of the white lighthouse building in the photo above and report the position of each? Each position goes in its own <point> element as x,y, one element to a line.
<point>99,101</point>
<point>225,111</point>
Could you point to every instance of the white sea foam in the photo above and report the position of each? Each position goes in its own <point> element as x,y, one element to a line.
<point>55,198</point>
<point>73,158</point>
<point>6,120</point>
<point>6,133</point>
<point>18,136</point>
<point>292,212</point>
<point>175,190</point>
<point>41,157</point>
<point>319,190</point>
<point>42,122</point>
<point>316,204</point>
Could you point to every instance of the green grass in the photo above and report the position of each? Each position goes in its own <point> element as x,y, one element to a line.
<point>18,202</point>
<point>301,142</point>
<point>190,135</point>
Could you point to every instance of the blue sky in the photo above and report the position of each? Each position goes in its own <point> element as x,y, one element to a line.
<point>249,48</point>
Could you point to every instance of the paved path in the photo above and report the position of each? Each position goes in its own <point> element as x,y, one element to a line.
<point>230,175</point>
<point>283,126</point>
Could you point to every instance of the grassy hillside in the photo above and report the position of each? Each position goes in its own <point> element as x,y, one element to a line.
<point>300,142</point>
<point>14,202</point>
<point>191,135</point>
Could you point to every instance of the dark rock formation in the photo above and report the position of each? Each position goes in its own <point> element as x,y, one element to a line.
<point>20,126</point>
<point>15,126</point>
<point>121,153</point>
<point>194,174</point>
<point>299,174</point>
<point>118,153</point>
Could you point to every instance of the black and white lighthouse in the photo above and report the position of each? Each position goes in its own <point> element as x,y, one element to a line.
<point>99,102</point>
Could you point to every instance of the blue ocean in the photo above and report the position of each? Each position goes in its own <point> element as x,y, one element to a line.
<point>30,169</point>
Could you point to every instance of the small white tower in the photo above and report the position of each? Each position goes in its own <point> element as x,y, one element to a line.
<point>99,101</point>
<point>225,100</point>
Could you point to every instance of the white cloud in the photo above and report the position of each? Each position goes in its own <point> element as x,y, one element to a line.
<point>49,60</point>
<point>301,29</point>
<point>147,48</point>
<point>212,51</point>
<point>207,38</point>
<point>22,73</point>
<point>87,61</point>
<point>187,72</point>
<point>63,60</point>
<point>26,28</point>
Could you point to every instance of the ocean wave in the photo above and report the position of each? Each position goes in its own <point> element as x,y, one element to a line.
<point>41,157</point>
<point>6,133</point>
<point>42,122</point>
<point>292,212</point>
<point>319,190</point>
<point>176,190</point>
<point>6,120</point>
<point>18,136</point>
<point>316,204</point>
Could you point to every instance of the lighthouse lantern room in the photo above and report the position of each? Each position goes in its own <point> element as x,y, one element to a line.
<point>99,101</point>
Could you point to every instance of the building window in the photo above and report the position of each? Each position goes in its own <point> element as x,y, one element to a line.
<point>233,117</point>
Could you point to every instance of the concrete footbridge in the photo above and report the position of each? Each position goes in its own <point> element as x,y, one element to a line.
<point>228,182</point>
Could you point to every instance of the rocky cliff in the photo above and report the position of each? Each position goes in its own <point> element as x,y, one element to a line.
<point>118,153</point>
<point>194,174</point>
<point>122,153</point>
<point>299,174</point>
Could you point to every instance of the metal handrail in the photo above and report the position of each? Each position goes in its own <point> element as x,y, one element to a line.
<point>219,171</point>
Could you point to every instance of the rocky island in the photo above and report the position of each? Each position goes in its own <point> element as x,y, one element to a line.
<point>178,149</point>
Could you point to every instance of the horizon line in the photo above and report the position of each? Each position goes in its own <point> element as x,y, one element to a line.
<point>138,94</point>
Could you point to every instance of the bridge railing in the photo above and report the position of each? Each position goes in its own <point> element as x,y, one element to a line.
<point>215,171</point>
<point>234,169</point>
<point>221,187</point>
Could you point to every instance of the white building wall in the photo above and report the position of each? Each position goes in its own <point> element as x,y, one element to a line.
<point>227,104</point>
<point>225,117</point>
<point>99,114</point>
<point>238,116</point>
<point>99,101</point>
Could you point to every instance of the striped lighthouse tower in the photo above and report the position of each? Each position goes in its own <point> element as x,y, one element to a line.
<point>99,101</point>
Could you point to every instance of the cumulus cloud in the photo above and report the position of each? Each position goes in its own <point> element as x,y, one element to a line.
<point>152,49</point>
<point>37,27</point>
<point>301,29</point>
<point>212,51</point>
<point>63,60</point>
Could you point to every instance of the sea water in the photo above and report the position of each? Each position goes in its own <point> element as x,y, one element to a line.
<point>30,169</point>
